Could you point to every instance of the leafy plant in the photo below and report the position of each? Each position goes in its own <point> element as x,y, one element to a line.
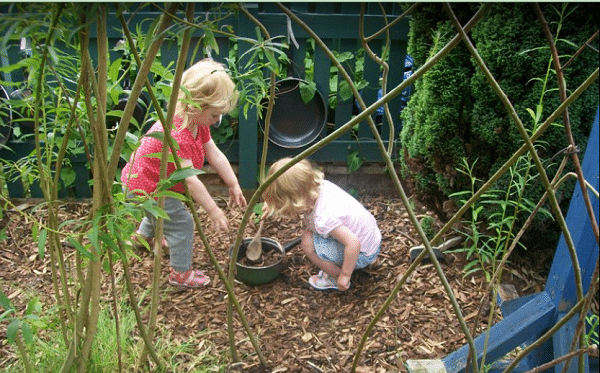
<point>591,336</point>
<point>453,112</point>
<point>354,160</point>
<point>340,89</point>
<point>490,236</point>
<point>476,247</point>
<point>24,329</point>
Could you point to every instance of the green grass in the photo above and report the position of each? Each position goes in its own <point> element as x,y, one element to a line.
<point>196,354</point>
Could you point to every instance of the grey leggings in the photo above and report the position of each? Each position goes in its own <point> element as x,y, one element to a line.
<point>178,231</point>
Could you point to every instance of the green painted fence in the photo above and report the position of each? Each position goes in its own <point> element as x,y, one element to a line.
<point>337,24</point>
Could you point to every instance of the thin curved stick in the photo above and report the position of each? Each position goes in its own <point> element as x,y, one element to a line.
<point>559,324</point>
<point>575,158</point>
<point>566,122</point>
<point>263,159</point>
<point>587,44</point>
<point>44,178</point>
<point>249,208</point>
<point>393,23</point>
<point>589,350</point>
<point>529,145</point>
<point>164,160</point>
<point>361,117</point>
<point>381,62</point>
<point>89,310</point>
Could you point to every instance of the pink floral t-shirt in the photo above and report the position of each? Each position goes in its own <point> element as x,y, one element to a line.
<point>335,207</point>
<point>142,172</point>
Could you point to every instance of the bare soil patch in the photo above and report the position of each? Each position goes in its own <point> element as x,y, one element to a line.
<point>299,329</point>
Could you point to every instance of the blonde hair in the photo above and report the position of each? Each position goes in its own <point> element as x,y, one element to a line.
<point>205,84</point>
<point>295,191</point>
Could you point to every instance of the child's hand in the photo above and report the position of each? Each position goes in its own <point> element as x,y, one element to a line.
<point>218,219</point>
<point>266,211</point>
<point>343,282</point>
<point>236,197</point>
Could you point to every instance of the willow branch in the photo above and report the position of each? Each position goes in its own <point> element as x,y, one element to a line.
<point>581,49</point>
<point>546,336</point>
<point>365,113</point>
<point>381,62</point>
<point>529,145</point>
<point>99,195</point>
<point>562,89</point>
<point>54,243</point>
<point>140,80</point>
<point>164,161</point>
<point>263,161</point>
<point>593,289</point>
<point>24,355</point>
<point>574,157</point>
<point>393,23</point>
<point>589,350</point>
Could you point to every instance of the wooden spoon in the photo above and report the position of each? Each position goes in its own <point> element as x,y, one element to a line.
<point>254,249</point>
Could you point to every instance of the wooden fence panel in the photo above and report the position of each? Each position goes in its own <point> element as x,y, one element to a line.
<point>335,23</point>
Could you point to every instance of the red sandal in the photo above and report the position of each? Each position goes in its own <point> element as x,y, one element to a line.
<point>192,279</point>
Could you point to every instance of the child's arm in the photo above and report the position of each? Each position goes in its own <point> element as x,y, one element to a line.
<point>351,250</point>
<point>220,163</point>
<point>203,198</point>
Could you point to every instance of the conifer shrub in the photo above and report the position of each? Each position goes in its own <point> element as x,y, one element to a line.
<point>454,114</point>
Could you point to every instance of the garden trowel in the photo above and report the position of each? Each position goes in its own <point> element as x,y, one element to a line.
<point>437,251</point>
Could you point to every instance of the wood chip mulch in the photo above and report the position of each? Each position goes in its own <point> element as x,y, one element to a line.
<point>299,329</point>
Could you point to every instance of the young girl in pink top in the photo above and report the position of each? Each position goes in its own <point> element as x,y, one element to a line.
<point>207,93</point>
<point>339,233</point>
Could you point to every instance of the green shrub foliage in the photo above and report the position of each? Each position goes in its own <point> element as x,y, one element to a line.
<point>455,114</point>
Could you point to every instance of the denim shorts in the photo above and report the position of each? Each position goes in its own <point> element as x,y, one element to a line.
<point>332,250</point>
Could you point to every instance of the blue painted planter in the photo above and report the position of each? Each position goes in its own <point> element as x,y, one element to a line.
<point>526,319</point>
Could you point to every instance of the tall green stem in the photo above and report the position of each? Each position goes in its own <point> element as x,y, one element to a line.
<point>366,112</point>
<point>562,89</point>
<point>556,327</point>
<point>99,195</point>
<point>263,161</point>
<point>56,262</point>
<point>385,68</point>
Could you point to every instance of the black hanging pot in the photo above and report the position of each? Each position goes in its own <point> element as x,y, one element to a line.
<point>5,117</point>
<point>22,113</point>
<point>139,112</point>
<point>294,123</point>
<point>262,274</point>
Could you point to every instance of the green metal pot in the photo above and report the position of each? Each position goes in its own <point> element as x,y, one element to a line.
<point>260,275</point>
